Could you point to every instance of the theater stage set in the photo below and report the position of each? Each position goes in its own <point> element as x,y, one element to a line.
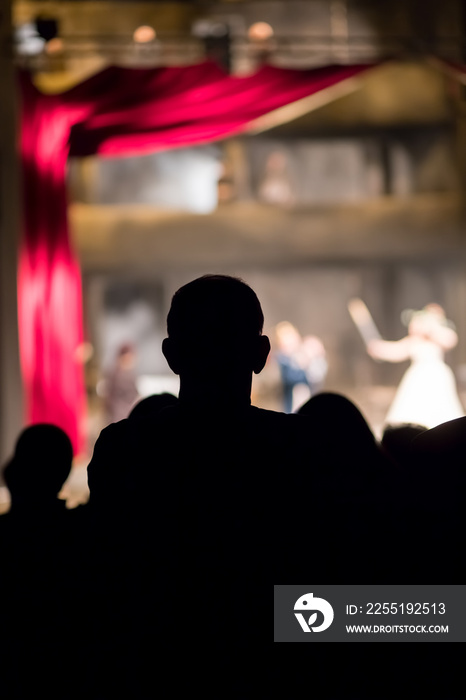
<point>315,149</point>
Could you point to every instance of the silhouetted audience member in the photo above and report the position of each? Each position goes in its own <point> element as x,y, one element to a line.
<point>40,466</point>
<point>360,486</point>
<point>438,459</point>
<point>200,508</point>
<point>444,444</point>
<point>201,492</point>
<point>346,443</point>
<point>42,569</point>
<point>198,505</point>
<point>397,439</point>
<point>333,414</point>
<point>151,405</point>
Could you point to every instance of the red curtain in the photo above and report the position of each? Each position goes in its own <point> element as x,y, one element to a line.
<point>119,111</point>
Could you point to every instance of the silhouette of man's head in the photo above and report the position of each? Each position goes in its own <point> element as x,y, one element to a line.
<point>40,465</point>
<point>215,332</point>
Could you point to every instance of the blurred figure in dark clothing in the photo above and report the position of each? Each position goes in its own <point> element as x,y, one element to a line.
<point>120,390</point>
<point>302,363</point>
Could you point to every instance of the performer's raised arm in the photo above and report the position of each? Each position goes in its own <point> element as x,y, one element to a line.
<point>390,350</point>
<point>363,320</point>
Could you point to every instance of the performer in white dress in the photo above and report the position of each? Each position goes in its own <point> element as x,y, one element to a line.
<point>427,393</point>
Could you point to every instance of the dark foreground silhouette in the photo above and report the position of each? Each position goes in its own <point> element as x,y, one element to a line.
<point>198,510</point>
<point>163,585</point>
<point>43,569</point>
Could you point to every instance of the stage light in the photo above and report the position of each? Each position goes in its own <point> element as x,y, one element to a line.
<point>144,34</point>
<point>54,46</point>
<point>260,31</point>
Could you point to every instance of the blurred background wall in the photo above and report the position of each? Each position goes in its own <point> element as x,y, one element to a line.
<point>363,196</point>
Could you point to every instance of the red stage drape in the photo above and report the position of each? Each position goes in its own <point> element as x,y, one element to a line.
<point>119,111</point>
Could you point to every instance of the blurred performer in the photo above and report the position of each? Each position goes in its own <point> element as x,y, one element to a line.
<point>316,365</point>
<point>276,187</point>
<point>302,363</point>
<point>120,391</point>
<point>427,393</point>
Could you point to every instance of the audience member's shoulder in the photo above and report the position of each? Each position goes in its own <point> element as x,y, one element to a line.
<point>114,430</point>
<point>277,416</point>
<point>5,520</point>
<point>112,448</point>
<point>126,430</point>
<point>127,439</point>
<point>448,437</point>
<point>78,514</point>
<point>265,412</point>
<point>112,438</point>
<point>288,425</point>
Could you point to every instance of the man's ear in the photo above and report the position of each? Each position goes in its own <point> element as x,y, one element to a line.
<point>171,354</point>
<point>262,353</point>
